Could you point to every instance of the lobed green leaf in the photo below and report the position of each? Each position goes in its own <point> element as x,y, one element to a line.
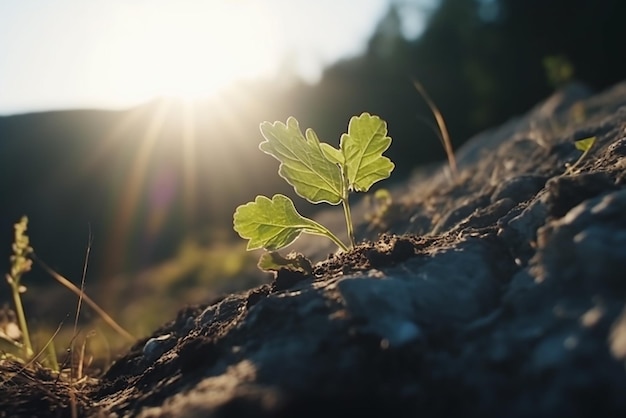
<point>333,154</point>
<point>303,162</point>
<point>363,148</point>
<point>271,224</point>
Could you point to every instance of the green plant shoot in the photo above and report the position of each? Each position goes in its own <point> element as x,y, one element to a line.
<point>20,264</point>
<point>318,173</point>
<point>583,145</point>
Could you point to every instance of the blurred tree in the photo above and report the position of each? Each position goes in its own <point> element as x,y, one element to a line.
<point>559,70</point>
<point>482,61</point>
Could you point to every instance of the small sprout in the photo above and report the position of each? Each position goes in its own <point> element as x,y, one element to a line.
<point>318,173</point>
<point>583,145</point>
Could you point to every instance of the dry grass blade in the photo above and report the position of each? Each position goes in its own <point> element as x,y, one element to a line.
<point>77,316</point>
<point>82,285</point>
<point>445,136</point>
<point>105,317</point>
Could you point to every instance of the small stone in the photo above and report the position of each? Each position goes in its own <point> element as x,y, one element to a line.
<point>155,347</point>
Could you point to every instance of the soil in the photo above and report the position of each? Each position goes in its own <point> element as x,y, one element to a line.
<point>500,292</point>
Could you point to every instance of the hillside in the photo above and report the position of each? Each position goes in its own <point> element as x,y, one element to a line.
<point>499,293</point>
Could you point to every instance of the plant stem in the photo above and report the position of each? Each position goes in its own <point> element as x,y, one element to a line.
<point>19,310</point>
<point>322,231</point>
<point>570,169</point>
<point>326,233</point>
<point>345,202</point>
<point>346,212</point>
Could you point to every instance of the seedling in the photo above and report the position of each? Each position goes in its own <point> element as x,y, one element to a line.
<point>583,145</point>
<point>318,173</point>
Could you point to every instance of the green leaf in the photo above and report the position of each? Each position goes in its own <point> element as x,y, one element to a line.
<point>303,162</point>
<point>272,261</point>
<point>271,224</point>
<point>333,154</point>
<point>585,144</point>
<point>362,148</point>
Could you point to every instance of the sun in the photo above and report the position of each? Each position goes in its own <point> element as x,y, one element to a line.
<point>186,49</point>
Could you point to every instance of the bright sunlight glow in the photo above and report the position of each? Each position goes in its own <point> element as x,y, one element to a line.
<point>210,46</point>
<point>118,53</point>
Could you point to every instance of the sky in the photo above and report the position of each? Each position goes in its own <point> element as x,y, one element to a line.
<point>65,54</point>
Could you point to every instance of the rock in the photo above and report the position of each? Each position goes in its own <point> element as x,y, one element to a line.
<point>155,347</point>
<point>520,188</point>
<point>587,245</point>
